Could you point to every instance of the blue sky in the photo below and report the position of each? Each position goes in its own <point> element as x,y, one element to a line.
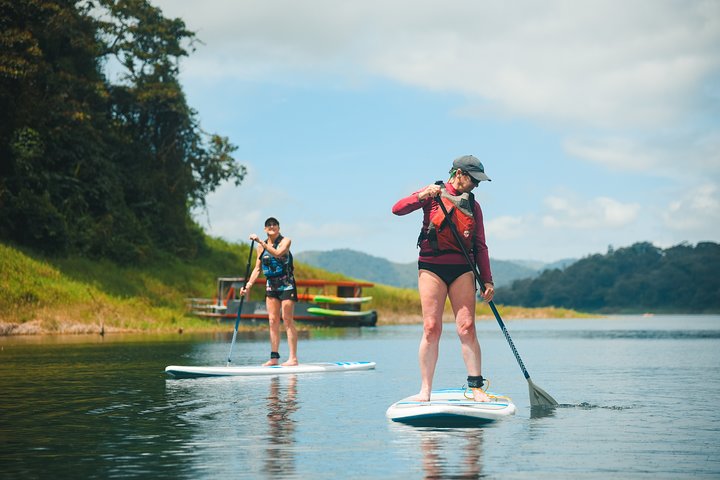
<point>597,121</point>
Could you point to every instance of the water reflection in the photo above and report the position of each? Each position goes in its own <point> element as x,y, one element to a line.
<point>542,411</point>
<point>281,404</point>
<point>446,453</point>
<point>443,459</point>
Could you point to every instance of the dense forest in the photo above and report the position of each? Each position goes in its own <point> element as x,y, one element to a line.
<point>639,278</point>
<point>98,166</point>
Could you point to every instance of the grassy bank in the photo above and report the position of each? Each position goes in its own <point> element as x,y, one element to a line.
<point>77,295</point>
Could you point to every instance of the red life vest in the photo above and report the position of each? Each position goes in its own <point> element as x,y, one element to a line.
<point>439,234</point>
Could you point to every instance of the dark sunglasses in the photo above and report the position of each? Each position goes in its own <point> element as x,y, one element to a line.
<point>473,180</point>
<point>272,224</point>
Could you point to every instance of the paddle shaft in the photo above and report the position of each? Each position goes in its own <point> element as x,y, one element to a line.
<point>242,300</point>
<point>472,264</point>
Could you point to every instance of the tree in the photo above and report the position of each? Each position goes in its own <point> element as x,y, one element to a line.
<point>641,277</point>
<point>170,163</point>
<point>92,166</point>
<point>53,125</point>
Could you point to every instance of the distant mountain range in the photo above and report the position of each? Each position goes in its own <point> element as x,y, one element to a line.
<point>404,275</point>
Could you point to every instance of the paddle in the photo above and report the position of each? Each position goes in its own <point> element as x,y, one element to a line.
<point>538,396</point>
<point>242,300</point>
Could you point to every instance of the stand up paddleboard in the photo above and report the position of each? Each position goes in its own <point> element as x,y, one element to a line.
<point>450,408</point>
<point>189,372</point>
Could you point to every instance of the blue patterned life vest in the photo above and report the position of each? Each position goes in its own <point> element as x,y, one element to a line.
<point>273,266</point>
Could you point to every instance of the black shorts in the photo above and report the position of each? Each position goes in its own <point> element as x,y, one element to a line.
<point>282,294</point>
<point>448,273</point>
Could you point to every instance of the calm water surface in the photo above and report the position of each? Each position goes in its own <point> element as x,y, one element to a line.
<point>638,400</point>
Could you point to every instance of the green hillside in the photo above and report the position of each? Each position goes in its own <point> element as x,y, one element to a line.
<point>44,294</point>
<point>75,294</point>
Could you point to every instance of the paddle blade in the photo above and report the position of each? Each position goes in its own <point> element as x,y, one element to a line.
<point>539,397</point>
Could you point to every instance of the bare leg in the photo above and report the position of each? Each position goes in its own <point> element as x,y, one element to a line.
<point>288,307</point>
<point>433,292</point>
<point>462,299</point>
<point>273,308</point>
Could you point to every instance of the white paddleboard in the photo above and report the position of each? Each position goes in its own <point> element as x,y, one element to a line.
<point>178,371</point>
<point>450,408</point>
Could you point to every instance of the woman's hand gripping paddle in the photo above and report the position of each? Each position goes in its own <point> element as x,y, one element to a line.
<point>538,396</point>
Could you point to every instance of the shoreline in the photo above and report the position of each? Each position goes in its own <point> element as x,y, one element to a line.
<point>79,296</point>
<point>53,326</point>
<point>40,328</point>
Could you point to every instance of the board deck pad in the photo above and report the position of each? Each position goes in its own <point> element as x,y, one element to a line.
<point>179,371</point>
<point>450,408</point>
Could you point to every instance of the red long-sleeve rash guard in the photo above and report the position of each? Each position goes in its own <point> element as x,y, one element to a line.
<point>482,259</point>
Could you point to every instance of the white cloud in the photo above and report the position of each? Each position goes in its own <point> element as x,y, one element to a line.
<point>598,213</point>
<point>698,209</point>
<point>505,227</point>
<point>616,153</point>
<point>233,213</point>
<point>598,62</point>
<point>668,153</point>
<point>636,70</point>
<point>566,61</point>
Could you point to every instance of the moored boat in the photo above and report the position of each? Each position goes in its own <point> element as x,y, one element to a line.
<point>320,302</point>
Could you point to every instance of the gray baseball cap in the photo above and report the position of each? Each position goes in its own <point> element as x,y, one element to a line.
<point>472,166</point>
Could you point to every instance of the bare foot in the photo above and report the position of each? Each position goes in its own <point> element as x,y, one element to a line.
<point>421,397</point>
<point>270,363</point>
<point>290,363</point>
<point>479,395</point>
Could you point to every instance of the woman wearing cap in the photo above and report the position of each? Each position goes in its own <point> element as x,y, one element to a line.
<point>443,271</point>
<point>275,260</point>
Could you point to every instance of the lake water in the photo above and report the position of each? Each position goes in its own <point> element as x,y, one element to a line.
<point>639,399</point>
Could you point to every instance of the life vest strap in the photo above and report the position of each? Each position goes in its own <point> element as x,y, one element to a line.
<point>460,211</point>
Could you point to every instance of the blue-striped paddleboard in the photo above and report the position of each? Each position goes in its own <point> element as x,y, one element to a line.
<point>450,408</point>
<point>178,371</point>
